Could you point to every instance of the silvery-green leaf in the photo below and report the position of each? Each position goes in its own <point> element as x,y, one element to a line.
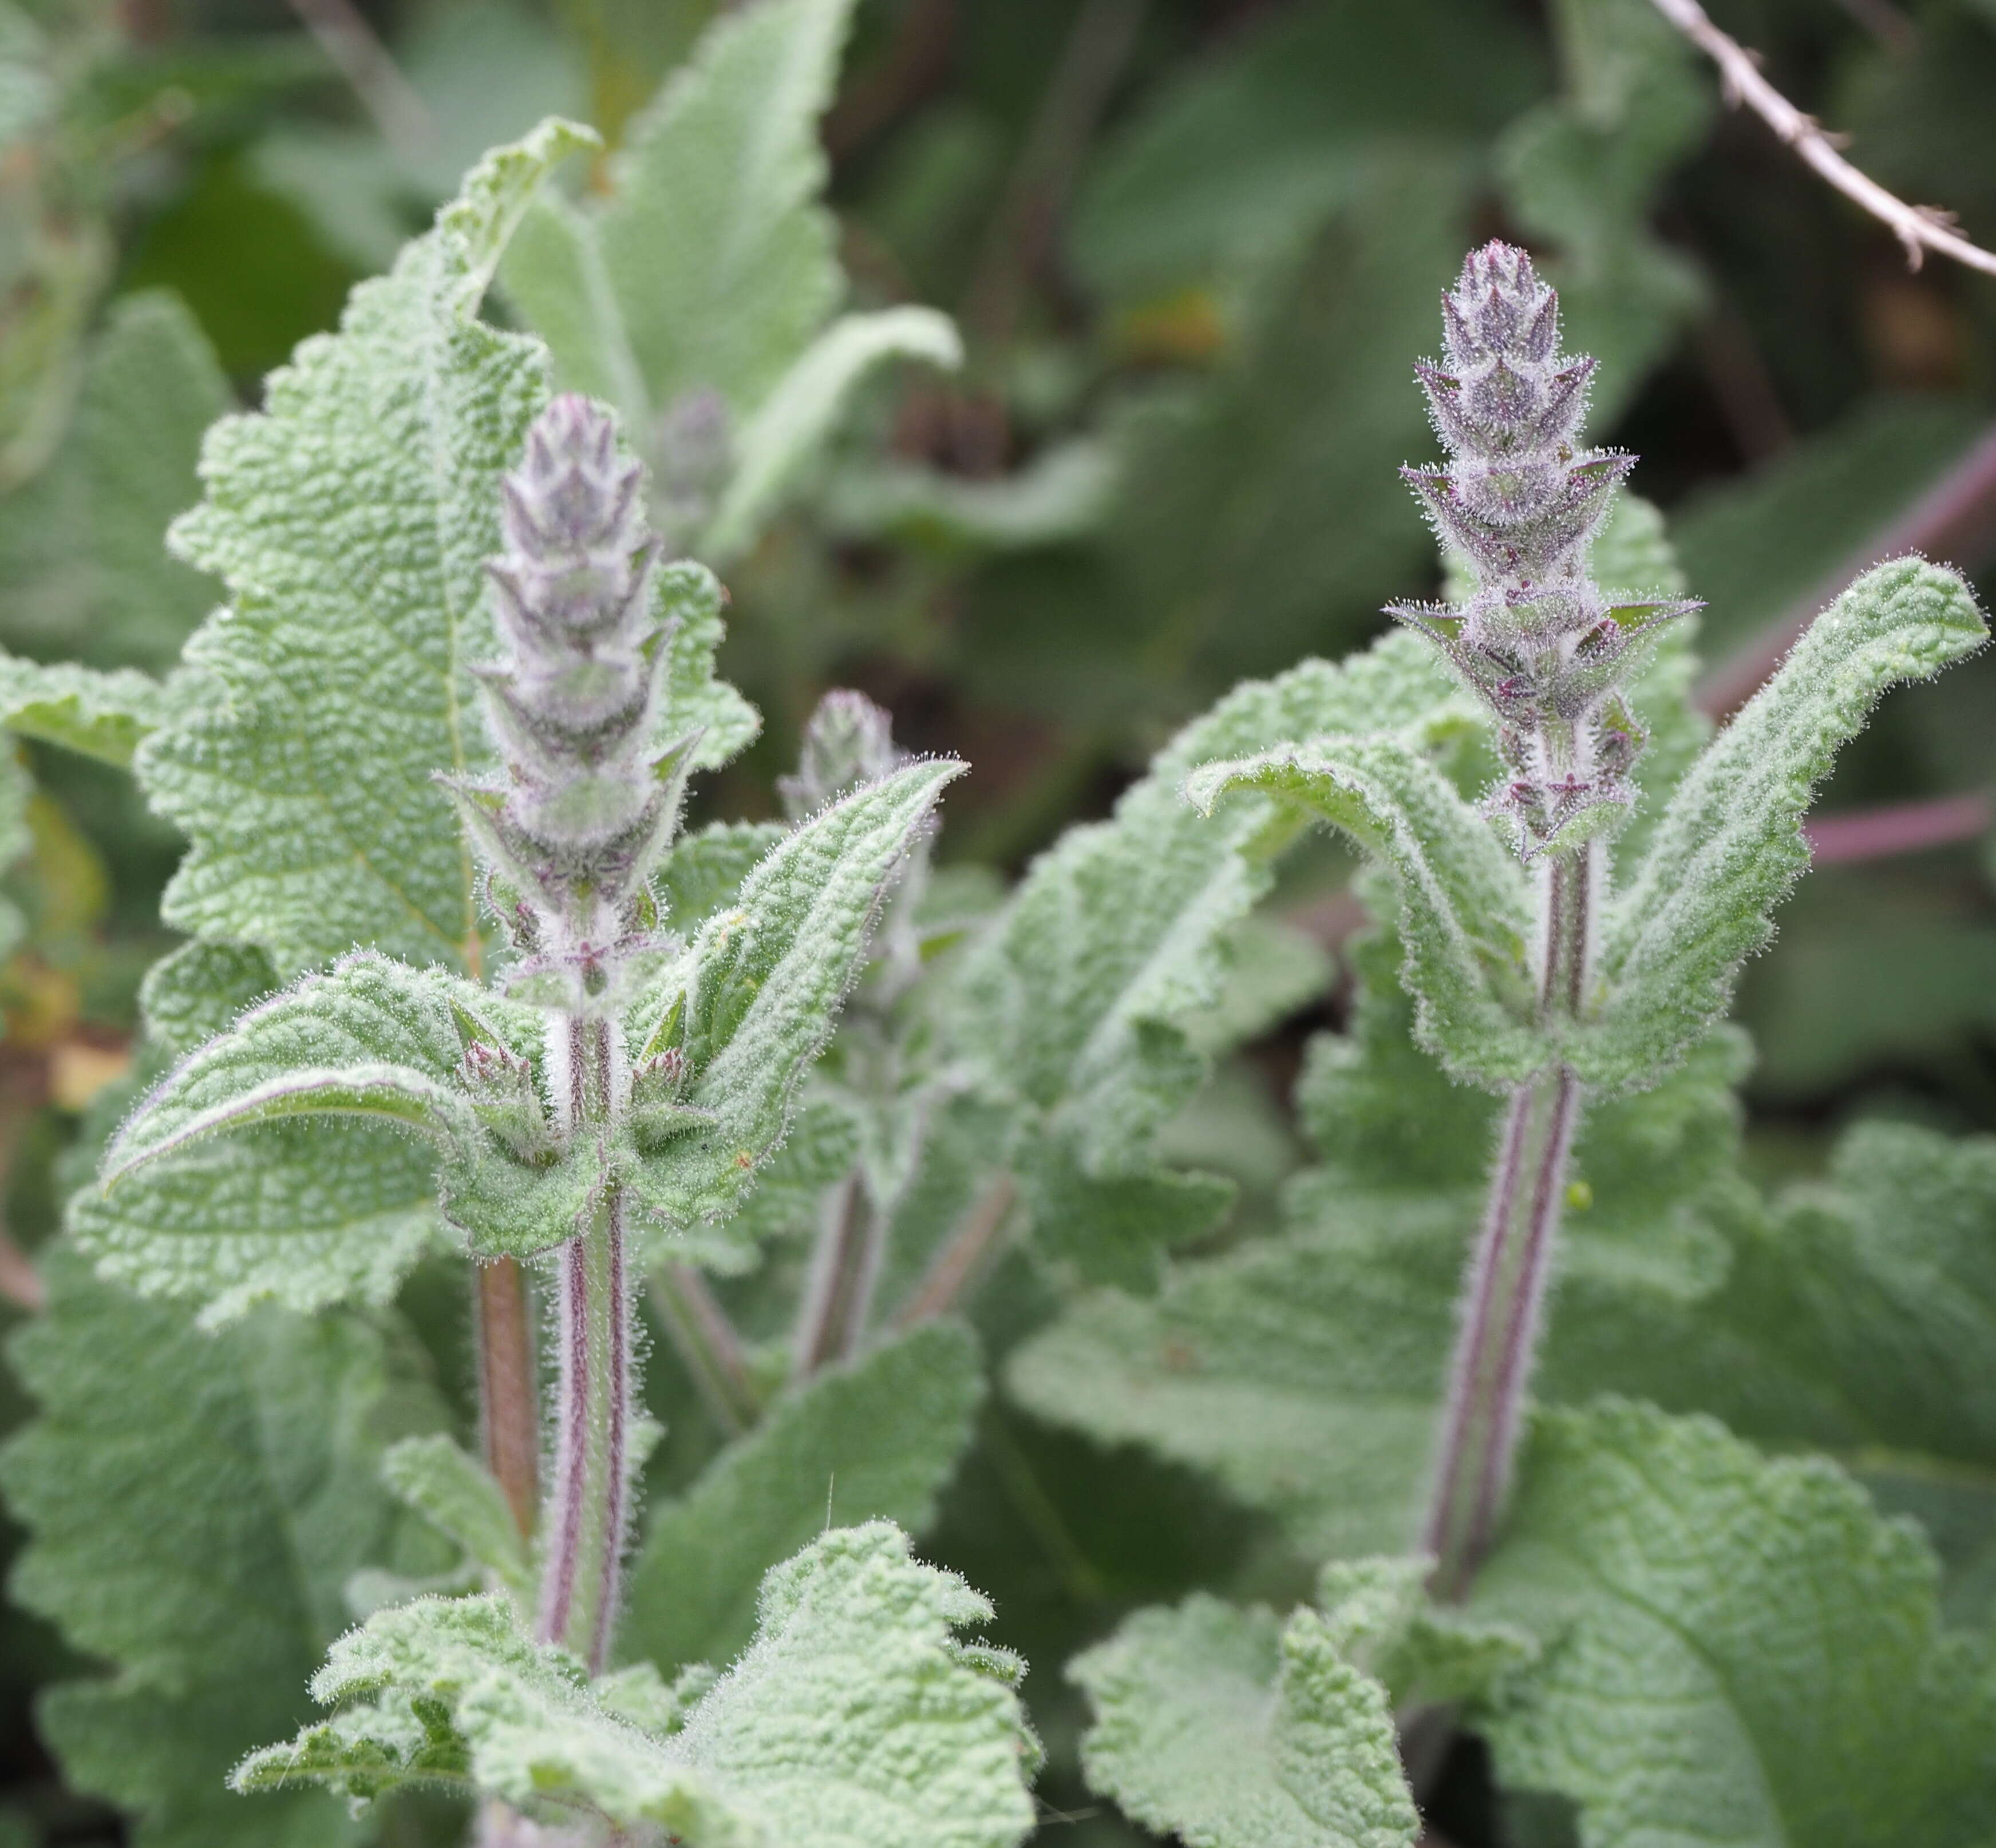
<point>215,1189</point>
<point>1737,1650</point>
<point>719,256</point>
<point>875,1440</point>
<point>351,519</point>
<point>1466,908</point>
<point>82,542</point>
<point>754,1000</point>
<point>856,1719</point>
<point>1730,843</point>
<point>195,1504</point>
<point>458,1496</point>
<point>102,714</point>
<point>1230,1728</point>
<point>793,422</point>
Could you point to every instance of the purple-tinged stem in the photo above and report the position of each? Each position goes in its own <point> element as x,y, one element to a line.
<point>845,1266</point>
<point>508,1412</point>
<point>1504,1297</point>
<point>595,1382</point>
<point>949,1272</point>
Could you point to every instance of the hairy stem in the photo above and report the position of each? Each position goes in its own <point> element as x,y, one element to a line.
<point>596,1382</point>
<point>951,1271</point>
<point>508,1414</point>
<point>845,1265</point>
<point>1505,1292</point>
<point>708,1346</point>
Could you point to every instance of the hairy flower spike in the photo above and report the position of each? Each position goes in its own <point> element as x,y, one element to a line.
<point>1539,641</point>
<point>848,742</point>
<point>587,804</point>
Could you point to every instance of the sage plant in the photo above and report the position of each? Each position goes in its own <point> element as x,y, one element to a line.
<point>1551,656</point>
<point>584,811</point>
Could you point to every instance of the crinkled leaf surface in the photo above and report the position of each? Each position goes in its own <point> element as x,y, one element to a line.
<point>458,1496</point>
<point>1069,1006</point>
<point>82,542</point>
<point>193,993</point>
<point>706,868</point>
<point>213,1191</point>
<point>1466,910</point>
<point>1231,1729</point>
<point>755,999</point>
<point>1728,843</point>
<point>854,1718</point>
<point>195,1504</point>
<point>1304,1372</point>
<point>350,520</point>
<point>701,286</point>
<point>719,255</point>
<point>875,1440</point>
<point>101,714</point>
<point>1737,1651</point>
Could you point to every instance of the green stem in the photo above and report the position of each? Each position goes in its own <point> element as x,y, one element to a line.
<point>596,1385</point>
<point>1504,1293</point>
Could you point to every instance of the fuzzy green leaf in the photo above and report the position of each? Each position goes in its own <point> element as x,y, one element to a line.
<point>1730,844</point>
<point>1231,1729</point>
<point>371,1038</point>
<point>82,543</point>
<point>211,1192</point>
<point>460,1498</point>
<point>875,1439</point>
<point>1465,905</point>
<point>1737,1651</point>
<point>195,1505</point>
<point>855,1720</point>
<point>101,715</point>
<point>716,249</point>
<point>705,869</point>
<point>1305,1374</point>
<point>755,999</point>
<point>792,424</point>
<point>1071,1002</point>
<point>192,993</point>
<point>1115,1230</point>
<point>351,520</point>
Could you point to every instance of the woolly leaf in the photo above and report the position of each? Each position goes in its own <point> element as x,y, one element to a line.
<point>101,715</point>
<point>705,869</point>
<point>1116,1229</point>
<point>1231,1730</point>
<point>1465,905</point>
<point>1305,1374</point>
<point>1382,1618</point>
<point>195,1505</point>
<point>458,1496</point>
<point>192,993</point>
<point>370,1038</point>
<point>296,1214</point>
<point>856,1719</point>
<point>875,1440</point>
<point>754,1000</point>
<point>82,549</point>
<point>792,422</point>
<point>1729,844</point>
<point>1070,1003</point>
<point>305,1214</point>
<point>350,520</point>
<point>1737,1650</point>
<point>719,259</point>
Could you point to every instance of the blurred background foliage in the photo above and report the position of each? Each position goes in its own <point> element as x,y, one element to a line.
<point>1194,247</point>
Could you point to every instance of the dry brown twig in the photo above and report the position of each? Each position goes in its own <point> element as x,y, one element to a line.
<point>1919,227</point>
